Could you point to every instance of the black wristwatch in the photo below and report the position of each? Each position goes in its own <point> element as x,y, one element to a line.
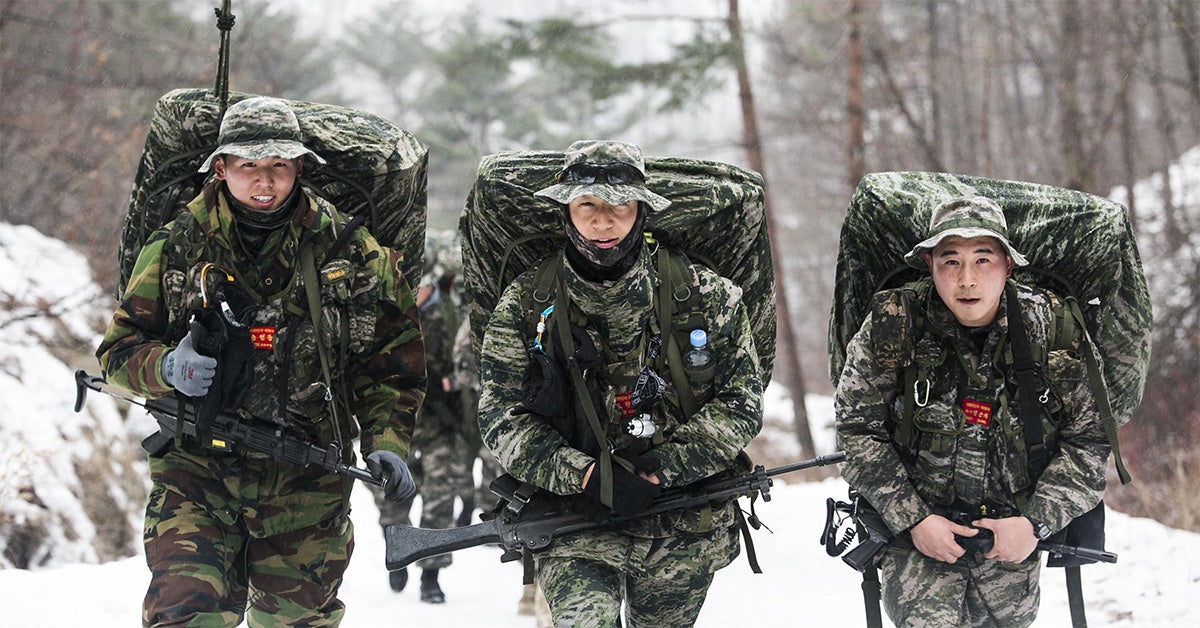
<point>1040,530</point>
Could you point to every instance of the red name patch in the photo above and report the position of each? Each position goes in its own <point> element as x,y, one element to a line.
<point>263,337</point>
<point>977,413</point>
<point>626,405</point>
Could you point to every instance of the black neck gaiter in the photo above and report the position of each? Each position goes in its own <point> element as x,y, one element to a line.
<point>596,264</point>
<point>254,226</point>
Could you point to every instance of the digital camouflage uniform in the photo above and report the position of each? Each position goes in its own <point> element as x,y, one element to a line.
<point>659,566</point>
<point>439,449</point>
<point>956,458</point>
<point>228,535</point>
<point>466,374</point>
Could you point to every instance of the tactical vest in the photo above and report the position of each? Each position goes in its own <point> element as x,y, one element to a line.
<point>300,361</point>
<point>904,341</point>
<point>600,396</point>
<point>676,313</point>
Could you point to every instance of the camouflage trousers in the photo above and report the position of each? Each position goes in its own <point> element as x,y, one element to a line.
<point>919,591</point>
<point>661,581</point>
<point>208,572</point>
<point>441,472</point>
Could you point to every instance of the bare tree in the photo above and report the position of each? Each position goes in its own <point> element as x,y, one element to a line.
<point>754,155</point>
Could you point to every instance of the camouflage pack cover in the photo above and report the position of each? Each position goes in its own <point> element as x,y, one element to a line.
<point>1070,237</point>
<point>716,217</point>
<point>374,169</point>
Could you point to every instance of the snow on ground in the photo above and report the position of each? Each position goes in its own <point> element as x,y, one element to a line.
<point>1152,584</point>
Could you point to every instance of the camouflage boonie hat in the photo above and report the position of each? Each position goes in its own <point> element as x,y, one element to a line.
<point>965,217</point>
<point>260,127</point>
<point>601,153</point>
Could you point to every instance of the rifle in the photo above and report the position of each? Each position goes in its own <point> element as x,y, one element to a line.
<point>228,433</point>
<point>876,535</point>
<point>533,518</point>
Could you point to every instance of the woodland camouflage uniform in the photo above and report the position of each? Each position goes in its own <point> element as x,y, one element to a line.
<point>663,565</point>
<point>231,534</point>
<point>954,460</point>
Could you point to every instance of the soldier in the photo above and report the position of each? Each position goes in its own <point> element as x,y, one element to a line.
<point>575,405</point>
<point>219,526</point>
<point>443,462</point>
<point>943,455</point>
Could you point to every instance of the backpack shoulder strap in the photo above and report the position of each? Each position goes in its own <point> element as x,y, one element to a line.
<point>1024,368</point>
<point>677,301</point>
<point>898,323</point>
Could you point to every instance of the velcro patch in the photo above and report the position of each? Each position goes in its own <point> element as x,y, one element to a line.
<point>625,404</point>
<point>976,412</point>
<point>263,337</point>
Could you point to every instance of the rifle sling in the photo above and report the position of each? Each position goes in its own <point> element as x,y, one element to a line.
<point>604,463</point>
<point>1075,597</point>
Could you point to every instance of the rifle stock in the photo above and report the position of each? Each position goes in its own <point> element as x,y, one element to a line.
<point>406,544</point>
<point>533,524</point>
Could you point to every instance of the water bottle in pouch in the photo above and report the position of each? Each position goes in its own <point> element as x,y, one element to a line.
<point>698,359</point>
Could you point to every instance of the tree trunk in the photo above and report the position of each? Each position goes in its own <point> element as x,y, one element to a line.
<point>1184,15</point>
<point>787,348</point>
<point>934,78</point>
<point>1128,57</point>
<point>1071,123</point>
<point>856,157</point>
<point>1166,126</point>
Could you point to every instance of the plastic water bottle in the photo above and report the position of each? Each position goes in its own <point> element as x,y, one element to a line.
<point>698,359</point>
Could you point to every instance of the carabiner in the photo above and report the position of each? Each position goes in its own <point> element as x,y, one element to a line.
<point>917,393</point>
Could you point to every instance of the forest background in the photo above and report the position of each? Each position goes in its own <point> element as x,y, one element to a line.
<point>1092,95</point>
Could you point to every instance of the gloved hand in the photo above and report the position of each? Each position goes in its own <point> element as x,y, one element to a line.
<point>647,463</point>
<point>398,481</point>
<point>631,494</point>
<point>186,370</point>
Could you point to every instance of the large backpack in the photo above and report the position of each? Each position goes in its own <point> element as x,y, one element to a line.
<point>374,169</point>
<point>716,218</point>
<point>1078,245</point>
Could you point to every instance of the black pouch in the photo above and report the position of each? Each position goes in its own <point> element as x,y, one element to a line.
<point>1087,531</point>
<point>222,331</point>
<point>547,389</point>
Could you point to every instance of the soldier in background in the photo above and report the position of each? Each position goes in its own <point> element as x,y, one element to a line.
<point>442,456</point>
<point>958,448</point>
<point>540,425</point>
<point>220,525</point>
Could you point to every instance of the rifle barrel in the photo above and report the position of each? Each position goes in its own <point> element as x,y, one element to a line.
<point>819,461</point>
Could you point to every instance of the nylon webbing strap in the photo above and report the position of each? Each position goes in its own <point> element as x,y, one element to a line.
<point>562,306</point>
<point>1100,392</point>
<point>308,268</point>
<point>1023,368</point>
<point>871,593</point>
<point>666,314</point>
<point>1075,597</point>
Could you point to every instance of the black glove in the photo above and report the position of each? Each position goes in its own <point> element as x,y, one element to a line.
<point>647,463</point>
<point>543,387</point>
<point>186,370</point>
<point>631,494</point>
<point>398,482</point>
